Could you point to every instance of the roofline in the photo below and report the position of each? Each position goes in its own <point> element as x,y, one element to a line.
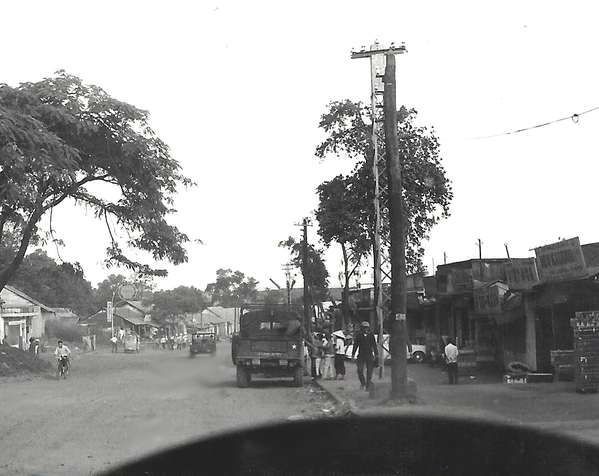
<point>29,298</point>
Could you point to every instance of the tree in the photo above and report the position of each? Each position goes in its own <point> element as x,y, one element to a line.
<point>232,289</point>
<point>59,139</point>
<point>318,276</point>
<point>176,303</point>
<point>340,218</point>
<point>426,190</point>
<point>55,285</point>
<point>105,291</point>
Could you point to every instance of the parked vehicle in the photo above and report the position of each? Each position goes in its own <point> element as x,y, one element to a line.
<point>131,343</point>
<point>416,353</point>
<point>269,344</point>
<point>203,343</point>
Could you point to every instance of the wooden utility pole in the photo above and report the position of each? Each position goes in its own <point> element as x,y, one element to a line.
<point>307,317</point>
<point>382,274</point>
<point>397,310</point>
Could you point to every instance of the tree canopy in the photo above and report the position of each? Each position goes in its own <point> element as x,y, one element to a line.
<point>232,288</point>
<point>58,137</point>
<point>346,210</point>
<point>53,284</point>
<point>316,271</point>
<point>176,303</point>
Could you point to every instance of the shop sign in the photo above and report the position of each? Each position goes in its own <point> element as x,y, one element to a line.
<point>561,261</point>
<point>461,277</point>
<point>487,301</point>
<point>522,274</point>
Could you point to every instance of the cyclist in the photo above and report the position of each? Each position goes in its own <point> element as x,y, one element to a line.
<point>62,350</point>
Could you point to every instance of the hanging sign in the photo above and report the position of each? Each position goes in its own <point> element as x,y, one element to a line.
<point>561,261</point>
<point>521,274</point>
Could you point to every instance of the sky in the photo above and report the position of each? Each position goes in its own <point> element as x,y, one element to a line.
<point>236,89</point>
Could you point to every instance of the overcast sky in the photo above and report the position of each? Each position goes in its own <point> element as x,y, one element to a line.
<point>236,89</point>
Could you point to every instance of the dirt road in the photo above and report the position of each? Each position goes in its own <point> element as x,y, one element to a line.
<point>114,407</point>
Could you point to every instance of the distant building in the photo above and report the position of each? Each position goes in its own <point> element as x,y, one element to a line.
<point>21,317</point>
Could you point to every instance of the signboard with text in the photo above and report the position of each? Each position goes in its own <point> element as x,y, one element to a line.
<point>561,261</point>
<point>461,277</point>
<point>521,274</point>
<point>487,301</point>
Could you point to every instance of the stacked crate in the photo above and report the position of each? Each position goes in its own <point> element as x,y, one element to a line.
<point>586,351</point>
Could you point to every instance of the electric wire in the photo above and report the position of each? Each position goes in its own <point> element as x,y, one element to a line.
<point>573,117</point>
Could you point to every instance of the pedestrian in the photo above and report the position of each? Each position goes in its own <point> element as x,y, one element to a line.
<point>113,341</point>
<point>339,354</point>
<point>121,334</point>
<point>451,358</point>
<point>163,342</point>
<point>328,370</point>
<point>317,350</point>
<point>365,346</point>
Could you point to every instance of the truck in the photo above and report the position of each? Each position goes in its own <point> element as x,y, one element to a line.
<point>269,343</point>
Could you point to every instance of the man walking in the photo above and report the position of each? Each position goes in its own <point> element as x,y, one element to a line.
<point>365,345</point>
<point>451,357</point>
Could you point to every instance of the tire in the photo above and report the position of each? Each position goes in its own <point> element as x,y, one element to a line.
<point>298,377</point>
<point>418,357</point>
<point>243,377</point>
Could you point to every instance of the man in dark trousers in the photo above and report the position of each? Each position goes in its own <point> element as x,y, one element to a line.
<point>365,345</point>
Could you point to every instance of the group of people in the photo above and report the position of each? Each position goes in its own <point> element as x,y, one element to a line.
<point>327,355</point>
<point>178,341</point>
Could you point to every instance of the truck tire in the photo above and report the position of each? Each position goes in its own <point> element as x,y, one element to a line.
<point>298,376</point>
<point>243,377</point>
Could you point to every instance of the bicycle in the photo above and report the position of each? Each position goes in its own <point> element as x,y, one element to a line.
<point>63,367</point>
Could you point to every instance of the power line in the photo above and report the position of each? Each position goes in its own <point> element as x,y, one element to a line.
<point>573,117</point>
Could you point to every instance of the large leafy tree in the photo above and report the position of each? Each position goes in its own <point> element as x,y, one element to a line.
<point>53,284</point>
<point>176,303</point>
<point>60,139</point>
<point>426,190</point>
<point>343,219</point>
<point>316,270</point>
<point>232,288</point>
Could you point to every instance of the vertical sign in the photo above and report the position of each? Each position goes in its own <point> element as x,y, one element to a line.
<point>109,311</point>
<point>487,301</point>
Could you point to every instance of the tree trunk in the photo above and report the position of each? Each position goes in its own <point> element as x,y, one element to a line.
<point>345,294</point>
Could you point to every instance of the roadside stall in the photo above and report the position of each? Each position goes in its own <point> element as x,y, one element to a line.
<point>586,351</point>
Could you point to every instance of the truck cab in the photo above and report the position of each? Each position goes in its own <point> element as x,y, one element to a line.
<point>269,343</point>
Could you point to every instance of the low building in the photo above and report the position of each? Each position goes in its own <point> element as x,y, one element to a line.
<point>21,318</point>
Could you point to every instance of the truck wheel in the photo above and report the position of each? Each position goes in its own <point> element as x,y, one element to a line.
<point>243,377</point>
<point>418,357</point>
<point>298,377</point>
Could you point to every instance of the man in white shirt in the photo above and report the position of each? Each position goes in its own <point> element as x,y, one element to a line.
<point>451,357</point>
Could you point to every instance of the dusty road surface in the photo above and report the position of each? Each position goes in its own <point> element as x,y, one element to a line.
<point>114,407</point>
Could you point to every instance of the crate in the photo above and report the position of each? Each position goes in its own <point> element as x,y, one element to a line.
<point>563,364</point>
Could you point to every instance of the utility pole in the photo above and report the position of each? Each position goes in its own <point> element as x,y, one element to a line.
<point>381,245</point>
<point>306,222</point>
<point>397,311</point>
<point>507,250</point>
<point>287,268</point>
<point>480,249</point>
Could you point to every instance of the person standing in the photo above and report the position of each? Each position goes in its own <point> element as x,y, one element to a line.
<point>114,342</point>
<point>339,354</point>
<point>365,346</point>
<point>451,358</point>
<point>317,349</point>
<point>329,354</point>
